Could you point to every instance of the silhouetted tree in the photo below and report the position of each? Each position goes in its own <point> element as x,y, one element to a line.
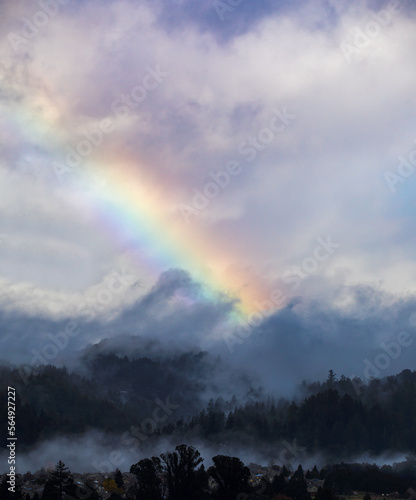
<point>314,474</point>
<point>331,379</point>
<point>49,491</point>
<point>149,484</point>
<point>118,478</point>
<point>278,484</point>
<point>298,474</point>
<point>297,488</point>
<point>60,482</point>
<point>185,475</point>
<point>324,494</point>
<point>284,472</point>
<point>231,476</point>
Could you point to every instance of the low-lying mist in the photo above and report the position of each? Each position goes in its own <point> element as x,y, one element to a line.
<point>99,452</point>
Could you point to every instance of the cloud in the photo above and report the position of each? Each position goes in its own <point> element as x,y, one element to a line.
<point>173,313</point>
<point>345,329</point>
<point>341,328</point>
<point>336,149</point>
<point>320,176</point>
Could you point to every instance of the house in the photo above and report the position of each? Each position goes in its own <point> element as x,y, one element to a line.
<point>314,484</point>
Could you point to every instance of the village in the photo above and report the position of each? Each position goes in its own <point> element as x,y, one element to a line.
<point>105,485</point>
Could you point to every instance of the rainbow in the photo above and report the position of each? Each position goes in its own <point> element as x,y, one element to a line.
<point>134,210</point>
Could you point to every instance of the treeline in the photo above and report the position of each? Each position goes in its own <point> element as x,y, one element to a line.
<point>334,418</point>
<point>53,402</point>
<point>108,392</point>
<point>181,475</point>
<point>340,417</point>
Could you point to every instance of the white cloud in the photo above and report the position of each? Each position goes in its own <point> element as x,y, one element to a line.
<point>322,175</point>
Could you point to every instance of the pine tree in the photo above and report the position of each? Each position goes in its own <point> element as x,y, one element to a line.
<point>314,474</point>
<point>61,479</point>
<point>284,472</point>
<point>278,484</point>
<point>50,491</point>
<point>298,474</point>
<point>331,379</point>
<point>118,478</point>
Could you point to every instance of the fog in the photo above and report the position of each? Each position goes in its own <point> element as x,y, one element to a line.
<point>346,329</point>
<point>97,452</point>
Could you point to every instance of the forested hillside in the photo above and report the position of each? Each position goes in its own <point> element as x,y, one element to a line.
<point>342,417</point>
<point>113,394</point>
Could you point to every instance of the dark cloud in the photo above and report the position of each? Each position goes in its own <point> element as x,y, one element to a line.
<point>173,311</point>
<point>311,336</point>
<point>346,331</point>
<point>219,18</point>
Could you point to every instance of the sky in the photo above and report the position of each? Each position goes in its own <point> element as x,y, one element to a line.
<point>236,175</point>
